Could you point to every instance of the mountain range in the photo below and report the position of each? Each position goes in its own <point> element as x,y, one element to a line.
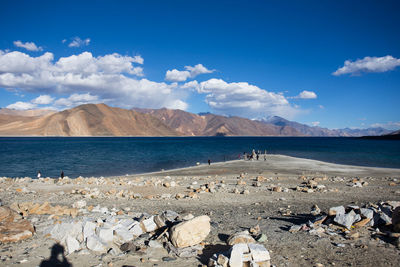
<point>103,120</point>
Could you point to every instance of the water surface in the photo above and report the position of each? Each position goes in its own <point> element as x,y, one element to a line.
<point>106,156</point>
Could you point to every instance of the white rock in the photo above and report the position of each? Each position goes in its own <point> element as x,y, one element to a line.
<point>79,204</point>
<point>72,244</point>
<point>189,233</point>
<point>154,244</point>
<point>236,258</point>
<point>259,252</point>
<point>136,230</point>
<point>127,223</point>
<point>122,235</point>
<point>149,225</point>
<point>346,220</point>
<point>188,217</point>
<point>336,210</point>
<point>105,234</point>
<point>88,229</point>
<point>94,243</point>
<point>60,231</point>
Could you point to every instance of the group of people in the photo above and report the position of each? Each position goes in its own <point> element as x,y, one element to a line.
<point>254,155</point>
<point>39,174</point>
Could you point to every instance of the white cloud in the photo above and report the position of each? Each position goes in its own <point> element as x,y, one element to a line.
<point>243,99</point>
<point>321,106</point>
<point>368,64</point>
<point>391,125</point>
<point>86,63</point>
<point>138,59</point>
<point>307,95</point>
<point>106,77</point>
<point>76,100</point>
<point>197,70</point>
<point>31,46</point>
<point>43,100</point>
<point>190,72</point>
<point>315,123</point>
<point>21,106</point>
<point>176,75</point>
<point>78,42</point>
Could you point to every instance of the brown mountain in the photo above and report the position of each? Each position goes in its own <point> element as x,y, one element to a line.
<point>211,125</point>
<point>26,113</point>
<point>86,120</point>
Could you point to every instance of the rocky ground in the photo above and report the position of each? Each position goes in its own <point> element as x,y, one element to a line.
<point>273,199</point>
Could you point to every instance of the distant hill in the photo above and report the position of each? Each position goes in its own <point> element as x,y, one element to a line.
<point>26,113</point>
<point>319,131</point>
<point>103,120</point>
<point>86,120</point>
<point>190,124</point>
<point>391,136</point>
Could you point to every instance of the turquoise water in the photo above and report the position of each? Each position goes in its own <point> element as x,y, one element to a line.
<point>97,156</point>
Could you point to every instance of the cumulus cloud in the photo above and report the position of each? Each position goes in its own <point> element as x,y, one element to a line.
<point>22,105</point>
<point>76,100</point>
<point>368,64</point>
<point>307,95</point>
<point>243,99</point>
<point>78,42</point>
<point>108,77</point>
<point>43,100</point>
<point>176,75</point>
<point>315,123</point>
<point>31,46</point>
<point>190,72</point>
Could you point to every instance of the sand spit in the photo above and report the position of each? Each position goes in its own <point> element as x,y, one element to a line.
<point>284,211</point>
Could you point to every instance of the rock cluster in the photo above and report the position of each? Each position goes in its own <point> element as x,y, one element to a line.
<point>117,234</point>
<point>347,220</point>
<point>27,208</point>
<point>244,251</point>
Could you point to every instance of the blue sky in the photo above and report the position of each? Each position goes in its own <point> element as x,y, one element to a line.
<point>248,58</point>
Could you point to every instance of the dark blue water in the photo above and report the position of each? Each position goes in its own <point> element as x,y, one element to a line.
<point>94,156</point>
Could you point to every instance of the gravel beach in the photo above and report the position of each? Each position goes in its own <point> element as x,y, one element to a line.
<point>271,195</point>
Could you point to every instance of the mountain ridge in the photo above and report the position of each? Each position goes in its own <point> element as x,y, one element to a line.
<point>103,120</point>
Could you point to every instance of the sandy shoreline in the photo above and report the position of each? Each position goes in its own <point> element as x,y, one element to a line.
<point>233,204</point>
<point>281,161</point>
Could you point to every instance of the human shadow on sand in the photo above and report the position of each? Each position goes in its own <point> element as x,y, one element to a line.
<point>57,258</point>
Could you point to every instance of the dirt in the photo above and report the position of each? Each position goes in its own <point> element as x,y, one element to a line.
<point>229,212</point>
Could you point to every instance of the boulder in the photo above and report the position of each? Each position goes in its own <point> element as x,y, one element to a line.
<point>12,228</point>
<point>259,253</point>
<point>136,229</point>
<point>240,237</point>
<point>367,213</point>
<point>72,244</point>
<point>236,257</point>
<point>347,220</point>
<point>105,234</point>
<point>149,225</point>
<point>88,229</point>
<point>189,233</point>
<point>336,210</point>
<point>94,243</point>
